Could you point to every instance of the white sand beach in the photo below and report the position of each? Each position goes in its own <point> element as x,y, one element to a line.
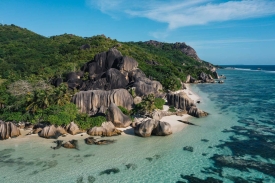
<point>173,120</point>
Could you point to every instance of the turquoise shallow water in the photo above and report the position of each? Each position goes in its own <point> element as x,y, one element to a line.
<point>240,126</point>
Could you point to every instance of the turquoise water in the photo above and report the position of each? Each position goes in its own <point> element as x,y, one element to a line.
<point>240,126</point>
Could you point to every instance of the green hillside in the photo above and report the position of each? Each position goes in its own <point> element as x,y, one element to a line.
<point>28,63</point>
<point>25,54</point>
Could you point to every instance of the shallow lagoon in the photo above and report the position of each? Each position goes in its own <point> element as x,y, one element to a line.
<point>240,123</point>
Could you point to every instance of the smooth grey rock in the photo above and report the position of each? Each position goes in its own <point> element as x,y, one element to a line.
<point>92,101</point>
<point>119,119</point>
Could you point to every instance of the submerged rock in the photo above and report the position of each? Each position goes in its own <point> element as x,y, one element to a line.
<point>73,144</point>
<point>119,119</point>
<point>188,148</point>
<point>109,171</point>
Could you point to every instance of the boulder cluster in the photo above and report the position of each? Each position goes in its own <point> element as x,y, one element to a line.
<point>182,101</point>
<point>8,130</point>
<point>148,127</point>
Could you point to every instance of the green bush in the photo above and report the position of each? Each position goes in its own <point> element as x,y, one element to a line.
<point>146,106</point>
<point>159,102</point>
<point>84,121</point>
<point>124,110</point>
<point>172,109</point>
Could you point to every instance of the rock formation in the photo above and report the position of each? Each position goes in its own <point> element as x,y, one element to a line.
<point>182,101</point>
<point>8,130</point>
<point>149,127</point>
<point>144,86</point>
<point>49,132</point>
<point>194,111</point>
<point>106,129</point>
<point>94,101</point>
<point>73,129</point>
<point>119,119</point>
<point>73,144</point>
<point>158,114</point>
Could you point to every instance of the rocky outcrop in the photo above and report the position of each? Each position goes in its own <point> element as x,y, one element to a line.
<point>119,119</point>
<point>49,132</point>
<point>149,127</point>
<point>144,86</point>
<point>106,129</point>
<point>8,130</point>
<point>187,50</point>
<point>162,129</point>
<point>101,63</point>
<point>73,144</point>
<point>216,75</point>
<point>182,101</point>
<point>135,74</point>
<point>94,101</point>
<point>158,114</point>
<point>194,111</point>
<point>126,64</point>
<point>115,79</point>
<point>73,129</point>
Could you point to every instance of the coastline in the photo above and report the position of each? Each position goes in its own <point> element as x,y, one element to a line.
<point>176,125</point>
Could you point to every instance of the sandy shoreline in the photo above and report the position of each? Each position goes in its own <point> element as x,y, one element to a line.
<point>176,125</point>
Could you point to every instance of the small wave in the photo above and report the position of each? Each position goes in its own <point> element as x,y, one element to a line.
<point>243,69</point>
<point>270,71</point>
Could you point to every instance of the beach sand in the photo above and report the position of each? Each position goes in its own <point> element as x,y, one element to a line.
<point>176,125</point>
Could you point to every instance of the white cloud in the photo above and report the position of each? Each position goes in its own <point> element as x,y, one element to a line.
<point>182,13</point>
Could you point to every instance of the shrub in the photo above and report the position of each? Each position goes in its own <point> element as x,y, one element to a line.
<point>84,121</point>
<point>159,102</point>
<point>124,110</point>
<point>146,106</point>
<point>172,109</point>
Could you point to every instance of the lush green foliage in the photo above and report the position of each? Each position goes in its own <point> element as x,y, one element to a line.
<point>84,121</point>
<point>146,106</point>
<point>124,110</point>
<point>29,61</point>
<point>26,55</point>
<point>159,102</point>
<point>172,109</point>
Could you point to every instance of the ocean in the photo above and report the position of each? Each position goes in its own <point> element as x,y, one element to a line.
<point>235,143</point>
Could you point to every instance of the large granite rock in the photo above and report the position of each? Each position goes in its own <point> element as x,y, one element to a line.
<point>149,127</point>
<point>158,114</point>
<point>101,63</point>
<point>216,75</point>
<point>49,132</point>
<point>106,129</point>
<point>73,129</point>
<point>8,130</point>
<point>162,129</point>
<point>94,101</point>
<point>126,64</point>
<point>119,119</point>
<point>115,79</point>
<point>144,86</point>
<point>182,101</point>
<point>135,74</point>
<point>194,111</point>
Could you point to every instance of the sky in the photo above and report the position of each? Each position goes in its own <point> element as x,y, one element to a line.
<point>223,32</point>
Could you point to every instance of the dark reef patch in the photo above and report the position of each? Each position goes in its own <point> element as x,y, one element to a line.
<point>109,171</point>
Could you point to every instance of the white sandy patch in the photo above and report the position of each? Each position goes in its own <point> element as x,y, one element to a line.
<point>175,124</point>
